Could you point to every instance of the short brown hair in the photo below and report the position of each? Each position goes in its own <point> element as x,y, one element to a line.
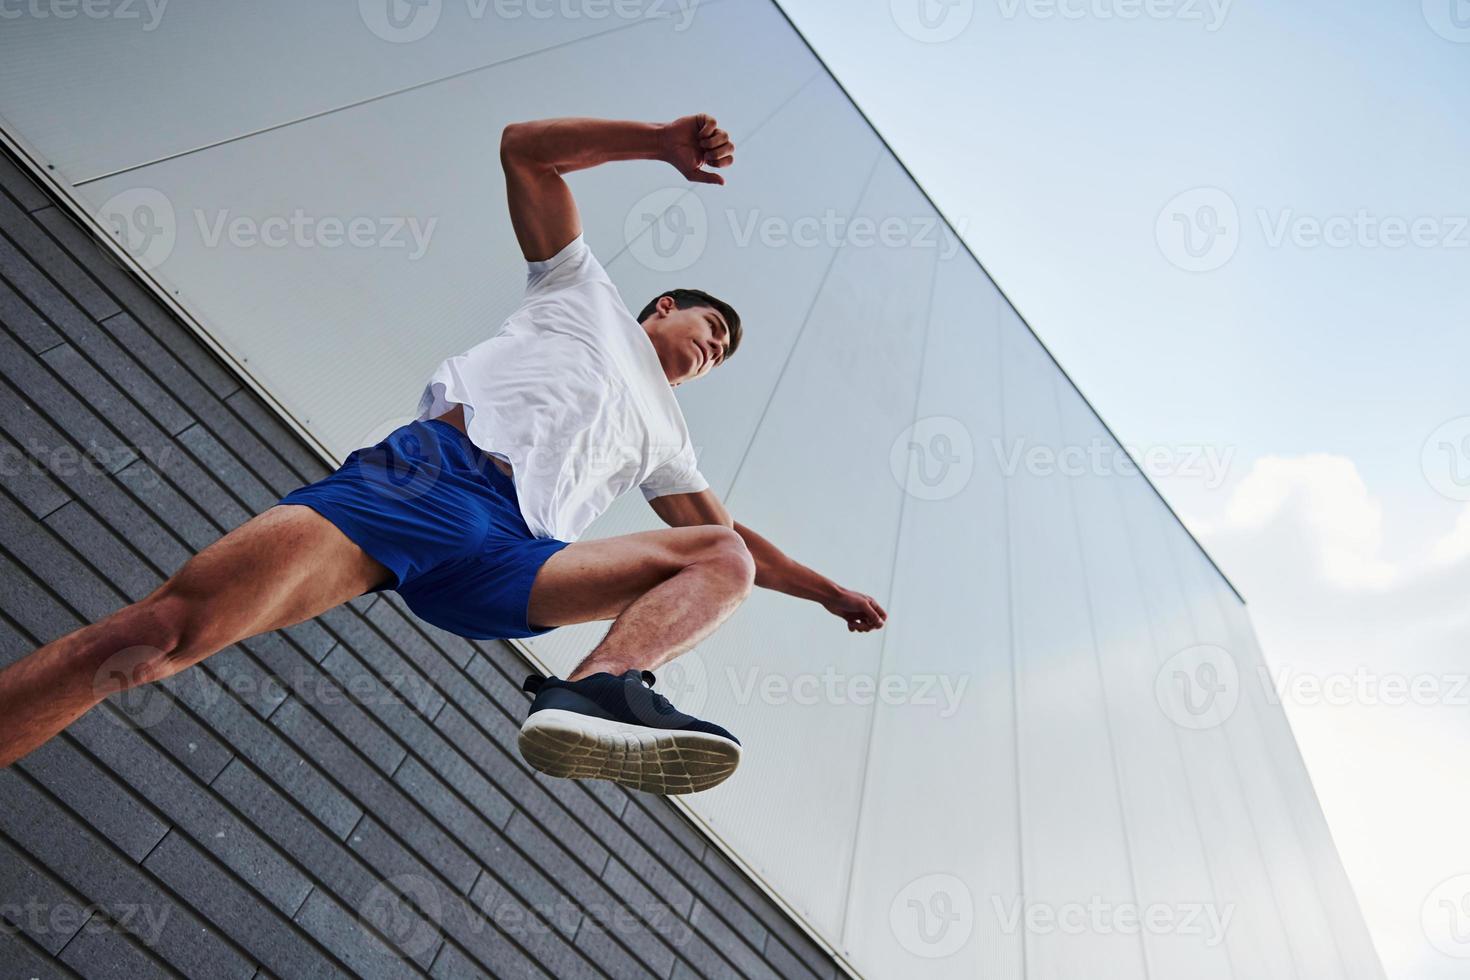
<point>686,298</point>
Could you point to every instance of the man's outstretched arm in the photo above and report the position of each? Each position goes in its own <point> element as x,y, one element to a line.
<point>774,569</point>
<point>535,154</point>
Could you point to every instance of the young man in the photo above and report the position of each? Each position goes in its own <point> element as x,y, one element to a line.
<point>472,513</point>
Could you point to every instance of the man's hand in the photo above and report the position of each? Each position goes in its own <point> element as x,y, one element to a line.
<point>862,612</point>
<point>693,142</point>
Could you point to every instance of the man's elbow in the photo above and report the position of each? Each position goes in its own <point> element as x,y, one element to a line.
<point>520,144</point>
<point>512,141</point>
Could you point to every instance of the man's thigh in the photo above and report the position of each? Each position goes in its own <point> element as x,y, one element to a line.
<point>278,568</point>
<point>593,580</point>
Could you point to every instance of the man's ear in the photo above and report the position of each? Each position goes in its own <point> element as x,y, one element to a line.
<point>665,304</point>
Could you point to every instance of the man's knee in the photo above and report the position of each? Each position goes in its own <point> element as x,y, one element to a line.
<point>152,639</point>
<point>726,547</point>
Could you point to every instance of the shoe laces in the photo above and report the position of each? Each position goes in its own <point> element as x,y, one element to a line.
<point>660,702</point>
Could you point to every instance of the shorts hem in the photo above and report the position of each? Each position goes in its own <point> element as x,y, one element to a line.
<point>354,533</point>
<point>526,607</point>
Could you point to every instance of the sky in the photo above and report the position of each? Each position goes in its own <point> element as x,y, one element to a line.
<point>1242,229</point>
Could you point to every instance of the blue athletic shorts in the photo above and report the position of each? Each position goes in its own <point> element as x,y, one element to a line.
<point>445,521</point>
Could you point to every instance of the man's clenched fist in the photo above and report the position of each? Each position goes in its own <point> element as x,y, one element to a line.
<point>691,143</point>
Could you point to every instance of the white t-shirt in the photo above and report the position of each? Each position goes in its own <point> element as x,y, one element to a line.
<point>571,393</point>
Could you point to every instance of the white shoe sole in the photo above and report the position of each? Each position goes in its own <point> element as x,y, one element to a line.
<point>655,760</point>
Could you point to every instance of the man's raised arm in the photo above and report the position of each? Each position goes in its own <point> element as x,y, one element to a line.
<point>535,154</point>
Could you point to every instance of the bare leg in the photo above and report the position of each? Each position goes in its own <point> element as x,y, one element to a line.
<point>665,589</point>
<point>278,568</point>
<point>671,618</point>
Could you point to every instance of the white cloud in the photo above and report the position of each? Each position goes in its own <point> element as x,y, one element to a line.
<point>1321,512</point>
<point>1454,547</point>
<point>1326,497</point>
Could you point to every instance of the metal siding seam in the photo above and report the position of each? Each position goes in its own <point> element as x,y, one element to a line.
<point>892,586</point>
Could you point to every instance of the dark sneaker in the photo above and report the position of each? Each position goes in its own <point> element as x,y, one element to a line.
<point>615,726</point>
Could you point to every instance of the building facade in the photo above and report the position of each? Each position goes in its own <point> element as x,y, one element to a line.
<point>239,260</point>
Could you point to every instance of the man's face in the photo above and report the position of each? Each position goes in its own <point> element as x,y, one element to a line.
<point>690,343</point>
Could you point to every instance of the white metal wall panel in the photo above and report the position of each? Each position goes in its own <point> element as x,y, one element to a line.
<point>1256,939</point>
<point>199,72</point>
<point>1349,932</point>
<point>938,834</point>
<point>1067,605</point>
<point>1073,842</point>
<point>1171,874</point>
<point>1313,946</point>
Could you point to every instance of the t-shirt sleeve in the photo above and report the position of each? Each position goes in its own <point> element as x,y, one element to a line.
<point>679,475</point>
<point>574,264</point>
